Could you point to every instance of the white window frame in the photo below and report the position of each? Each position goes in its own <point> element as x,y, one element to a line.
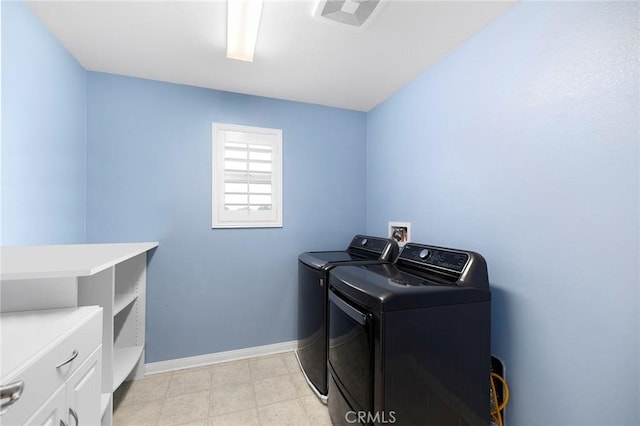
<point>222,218</point>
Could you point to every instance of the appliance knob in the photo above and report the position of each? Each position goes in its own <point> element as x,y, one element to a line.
<point>364,242</point>
<point>424,253</point>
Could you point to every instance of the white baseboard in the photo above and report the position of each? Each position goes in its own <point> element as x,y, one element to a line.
<point>218,357</point>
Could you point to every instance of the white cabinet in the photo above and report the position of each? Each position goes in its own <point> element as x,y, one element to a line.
<point>83,407</point>
<point>112,276</point>
<point>52,411</point>
<point>77,402</point>
<point>56,354</point>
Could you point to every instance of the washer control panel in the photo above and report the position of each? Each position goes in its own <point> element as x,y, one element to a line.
<point>373,244</point>
<point>435,256</point>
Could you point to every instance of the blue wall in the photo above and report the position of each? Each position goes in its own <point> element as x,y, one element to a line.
<point>523,145</point>
<point>43,134</point>
<point>149,178</point>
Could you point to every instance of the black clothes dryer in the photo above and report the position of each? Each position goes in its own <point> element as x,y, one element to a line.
<point>409,343</point>
<point>313,272</point>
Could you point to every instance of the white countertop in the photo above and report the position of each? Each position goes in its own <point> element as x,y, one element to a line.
<point>67,260</point>
<point>25,334</point>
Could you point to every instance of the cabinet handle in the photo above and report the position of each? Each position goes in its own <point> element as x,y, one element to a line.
<point>13,392</point>
<point>73,356</point>
<point>74,415</point>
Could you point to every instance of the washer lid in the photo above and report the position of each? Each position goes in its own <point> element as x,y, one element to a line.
<point>361,248</point>
<point>320,259</point>
<point>387,288</point>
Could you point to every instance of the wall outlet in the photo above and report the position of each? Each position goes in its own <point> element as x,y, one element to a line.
<point>400,231</point>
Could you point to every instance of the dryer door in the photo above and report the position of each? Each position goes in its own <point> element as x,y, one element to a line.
<point>351,352</point>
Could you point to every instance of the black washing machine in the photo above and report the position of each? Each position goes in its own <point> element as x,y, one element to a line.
<point>409,343</point>
<point>313,272</point>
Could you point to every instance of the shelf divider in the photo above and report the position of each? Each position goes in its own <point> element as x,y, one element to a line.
<point>124,361</point>
<point>104,403</point>
<point>123,300</point>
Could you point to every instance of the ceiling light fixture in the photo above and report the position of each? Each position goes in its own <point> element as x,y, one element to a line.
<point>243,19</point>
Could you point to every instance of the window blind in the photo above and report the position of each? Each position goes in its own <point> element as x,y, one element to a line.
<point>248,172</point>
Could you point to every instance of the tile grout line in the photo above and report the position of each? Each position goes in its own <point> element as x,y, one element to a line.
<point>289,376</point>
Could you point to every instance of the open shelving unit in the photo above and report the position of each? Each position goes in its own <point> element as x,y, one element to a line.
<point>112,276</point>
<point>121,291</point>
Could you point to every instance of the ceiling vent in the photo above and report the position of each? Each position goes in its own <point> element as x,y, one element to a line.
<point>352,13</point>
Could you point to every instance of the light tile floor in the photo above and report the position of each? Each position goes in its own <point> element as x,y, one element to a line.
<point>262,391</point>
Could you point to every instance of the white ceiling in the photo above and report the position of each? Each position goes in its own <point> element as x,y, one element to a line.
<point>297,57</point>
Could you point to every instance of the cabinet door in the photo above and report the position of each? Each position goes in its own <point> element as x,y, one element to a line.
<point>52,411</point>
<point>83,392</point>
